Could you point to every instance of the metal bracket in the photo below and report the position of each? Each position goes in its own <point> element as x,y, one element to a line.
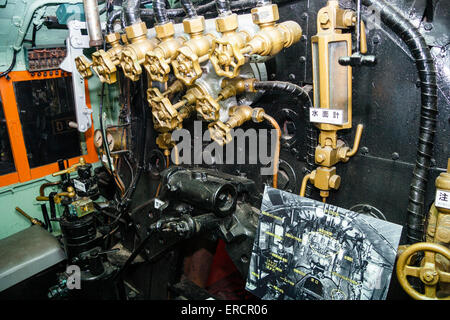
<point>76,42</point>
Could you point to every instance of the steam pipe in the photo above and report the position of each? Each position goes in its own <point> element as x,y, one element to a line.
<point>159,9</point>
<point>131,12</point>
<point>223,7</point>
<point>428,113</point>
<point>93,22</point>
<point>189,8</point>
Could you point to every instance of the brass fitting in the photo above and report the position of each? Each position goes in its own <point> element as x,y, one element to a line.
<point>209,108</point>
<point>70,193</point>
<point>164,141</point>
<point>226,56</point>
<point>240,85</point>
<point>220,132</point>
<point>186,65</point>
<point>104,63</point>
<point>133,55</point>
<point>157,62</point>
<point>83,66</point>
<point>72,168</point>
<point>168,117</point>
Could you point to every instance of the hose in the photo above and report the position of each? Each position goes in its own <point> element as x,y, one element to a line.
<point>160,12</point>
<point>428,113</point>
<point>223,7</point>
<point>116,14</point>
<point>131,12</point>
<point>13,62</point>
<point>189,8</point>
<point>311,132</point>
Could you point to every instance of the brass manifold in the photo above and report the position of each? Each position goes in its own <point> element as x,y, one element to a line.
<point>157,61</point>
<point>186,64</point>
<point>329,152</point>
<point>133,55</point>
<point>227,54</point>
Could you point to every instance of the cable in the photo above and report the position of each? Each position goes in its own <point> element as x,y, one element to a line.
<point>428,112</point>
<point>13,62</point>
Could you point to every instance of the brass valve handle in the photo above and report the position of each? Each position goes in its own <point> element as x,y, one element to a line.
<point>428,273</point>
<point>208,108</point>
<point>70,193</point>
<point>130,65</point>
<point>226,58</point>
<point>83,66</point>
<point>157,66</point>
<point>220,132</point>
<point>165,115</point>
<point>72,168</point>
<point>104,67</point>
<point>186,66</point>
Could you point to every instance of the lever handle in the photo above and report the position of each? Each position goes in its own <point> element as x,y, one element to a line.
<point>363,39</point>
<point>72,168</point>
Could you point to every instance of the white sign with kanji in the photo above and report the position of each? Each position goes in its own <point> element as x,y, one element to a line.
<point>442,199</point>
<point>331,116</point>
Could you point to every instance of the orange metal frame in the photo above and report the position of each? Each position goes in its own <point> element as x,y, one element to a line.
<point>23,171</point>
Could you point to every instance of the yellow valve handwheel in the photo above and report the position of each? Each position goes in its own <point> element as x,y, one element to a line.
<point>428,273</point>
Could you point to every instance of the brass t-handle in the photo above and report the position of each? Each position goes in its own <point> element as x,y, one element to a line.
<point>72,168</point>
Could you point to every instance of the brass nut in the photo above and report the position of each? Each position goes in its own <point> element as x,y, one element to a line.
<point>265,14</point>
<point>111,37</point>
<point>164,30</point>
<point>136,30</point>
<point>335,182</point>
<point>258,115</point>
<point>349,18</point>
<point>227,23</point>
<point>194,25</point>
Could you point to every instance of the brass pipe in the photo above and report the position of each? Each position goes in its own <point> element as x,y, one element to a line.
<point>358,134</point>
<point>177,159</point>
<point>46,185</point>
<point>305,180</point>
<point>31,219</point>
<point>276,157</point>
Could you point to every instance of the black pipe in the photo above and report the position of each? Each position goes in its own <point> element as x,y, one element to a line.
<point>13,63</point>
<point>46,218</point>
<point>189,8</point>
<point>116,14</point>
<point>428,113</point>
<point>311,131</point>
<point>159,9</point>
<point>131,11</point>
<point>223,7</point>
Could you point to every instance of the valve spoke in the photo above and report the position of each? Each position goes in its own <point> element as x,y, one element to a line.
<point>430,291</point>
<point>412,271</point>
<point>429,257</point>
<point>444,276</point>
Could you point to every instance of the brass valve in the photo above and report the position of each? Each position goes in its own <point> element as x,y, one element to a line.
<point>269,41</point>
<point>226,56</point>
<point>157,61</point>
<point>221,132</point>
<point>70,193</point>
<point>83,66</point>
<point>133,55</point>
<point>164,141</point>
<point>272,37</point>
<point>209,108</point>
<point>186,64</point>
<point>105,62</point>
<point>72,168</point>
<point>168,117</point>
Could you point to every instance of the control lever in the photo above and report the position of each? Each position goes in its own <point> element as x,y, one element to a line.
<point>359,58</point>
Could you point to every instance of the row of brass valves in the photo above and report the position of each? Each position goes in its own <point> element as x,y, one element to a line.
<point>329,152</point>
<point>186,64</point>
<point>157,61</point>
<point>227,54</point>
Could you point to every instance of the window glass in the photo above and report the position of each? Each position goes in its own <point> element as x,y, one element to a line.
<point>46,107</point>
<point>6,157</point>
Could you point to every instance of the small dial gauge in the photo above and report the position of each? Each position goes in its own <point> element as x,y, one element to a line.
<point>110,140</point>
<point>98,138</point>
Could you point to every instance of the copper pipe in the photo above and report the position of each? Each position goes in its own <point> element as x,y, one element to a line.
<point>46,185</point>
<point>304,183</point>
<point>177,159</point>
<point>276,157</point>
<point>358,134</point>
